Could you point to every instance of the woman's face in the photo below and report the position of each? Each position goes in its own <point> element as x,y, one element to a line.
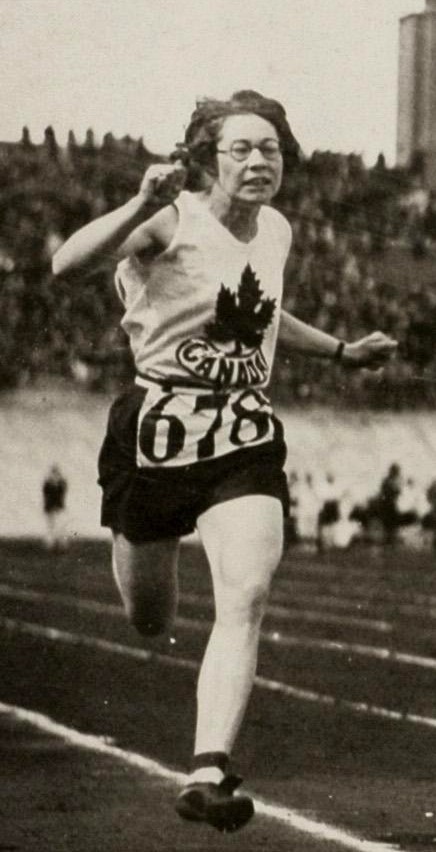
<point>257,178</point>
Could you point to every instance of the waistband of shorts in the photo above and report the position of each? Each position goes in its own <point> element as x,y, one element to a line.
<point>187,385</point>
<point>177,383</point>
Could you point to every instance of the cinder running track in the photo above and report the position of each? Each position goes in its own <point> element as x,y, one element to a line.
<point>339,745</point>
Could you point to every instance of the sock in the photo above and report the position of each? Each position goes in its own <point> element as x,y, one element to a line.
<point>206,775</point>
<point>209,767</point>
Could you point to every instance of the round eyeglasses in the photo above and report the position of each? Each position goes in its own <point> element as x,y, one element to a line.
<point>241,150</point>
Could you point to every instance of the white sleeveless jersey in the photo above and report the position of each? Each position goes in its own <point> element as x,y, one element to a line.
<point>203,316</point>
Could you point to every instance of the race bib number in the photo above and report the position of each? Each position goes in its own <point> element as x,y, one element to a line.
<point>176,429</point>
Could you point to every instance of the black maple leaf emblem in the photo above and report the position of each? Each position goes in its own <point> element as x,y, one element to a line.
<point>242,316</point>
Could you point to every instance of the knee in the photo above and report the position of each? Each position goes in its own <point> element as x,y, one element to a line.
<point>243,597</point>
<point>244,603</point>
<point>255,599</point>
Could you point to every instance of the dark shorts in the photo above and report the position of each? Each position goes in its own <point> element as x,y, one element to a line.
<point>146,504</point>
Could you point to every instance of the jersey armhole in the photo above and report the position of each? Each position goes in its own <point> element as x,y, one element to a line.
<point>176,209</point>
<point>160,247</point>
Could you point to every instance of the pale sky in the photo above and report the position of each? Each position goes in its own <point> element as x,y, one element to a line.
<point>137,66</point>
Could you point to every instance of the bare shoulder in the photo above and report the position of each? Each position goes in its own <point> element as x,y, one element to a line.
<point>279,220</point>
<point>153,236</point>
<point>280,227</point>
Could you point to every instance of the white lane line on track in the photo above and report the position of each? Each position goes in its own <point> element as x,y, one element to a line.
<point>287,613</point>
<point>420,604</point>
<point>367,592</point>
<point>274,637</point>
<point>287,816</point>
<point>79,639</point>
<point>293,613</point>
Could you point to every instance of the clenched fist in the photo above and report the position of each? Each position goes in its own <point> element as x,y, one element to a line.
<point>162,182</point>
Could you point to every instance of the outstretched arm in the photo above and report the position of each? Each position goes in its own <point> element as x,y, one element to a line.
<point>123,231</point>
<point>371,351</point>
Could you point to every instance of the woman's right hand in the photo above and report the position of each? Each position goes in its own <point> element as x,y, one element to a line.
<point>162,182</point>
<point>116,230</point>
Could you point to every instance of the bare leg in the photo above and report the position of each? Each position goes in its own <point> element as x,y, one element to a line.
<point>146,577</point>
<point>243,541</point>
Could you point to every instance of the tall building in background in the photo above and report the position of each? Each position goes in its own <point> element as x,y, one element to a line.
<point>417,89</point>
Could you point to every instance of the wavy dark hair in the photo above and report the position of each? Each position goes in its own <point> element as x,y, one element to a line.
<point>198,152</point>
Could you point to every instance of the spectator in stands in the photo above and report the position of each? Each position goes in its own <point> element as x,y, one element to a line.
<point>343,217</point>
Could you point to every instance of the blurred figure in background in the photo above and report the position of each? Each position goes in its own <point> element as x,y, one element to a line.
<point>329,513</point>
<point>390,491</point>
<point>429,519</point>
<point>292,531</point>
<point>412,506</point>
<point>347,530</point>
<point>54,491</point>
<point>308,510</point>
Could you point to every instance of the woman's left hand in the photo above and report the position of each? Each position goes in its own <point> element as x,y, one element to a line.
<point>372,351</point>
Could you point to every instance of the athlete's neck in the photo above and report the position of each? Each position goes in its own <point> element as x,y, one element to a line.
<point>237,216</point>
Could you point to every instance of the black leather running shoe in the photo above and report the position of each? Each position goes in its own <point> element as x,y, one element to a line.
<point>215,804</point>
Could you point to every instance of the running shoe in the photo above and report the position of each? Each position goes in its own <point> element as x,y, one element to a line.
<point>216,804</point>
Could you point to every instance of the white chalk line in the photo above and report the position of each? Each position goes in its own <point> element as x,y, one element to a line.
<point>418,604</point>
<point>80,639</point>
<point>293,613</point>
<point>285,816</point>
<point>273,636</point>
<point>368,591</point>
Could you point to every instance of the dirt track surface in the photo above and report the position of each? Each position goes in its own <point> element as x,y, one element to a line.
<point>62,799</point>
<point>56,797</point>
<point>368,776</point>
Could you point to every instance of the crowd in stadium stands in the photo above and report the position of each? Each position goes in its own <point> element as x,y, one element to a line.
<point>323,512</point>
<point>364,244</point>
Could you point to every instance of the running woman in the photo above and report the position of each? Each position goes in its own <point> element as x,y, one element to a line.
<point>195,443</point>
